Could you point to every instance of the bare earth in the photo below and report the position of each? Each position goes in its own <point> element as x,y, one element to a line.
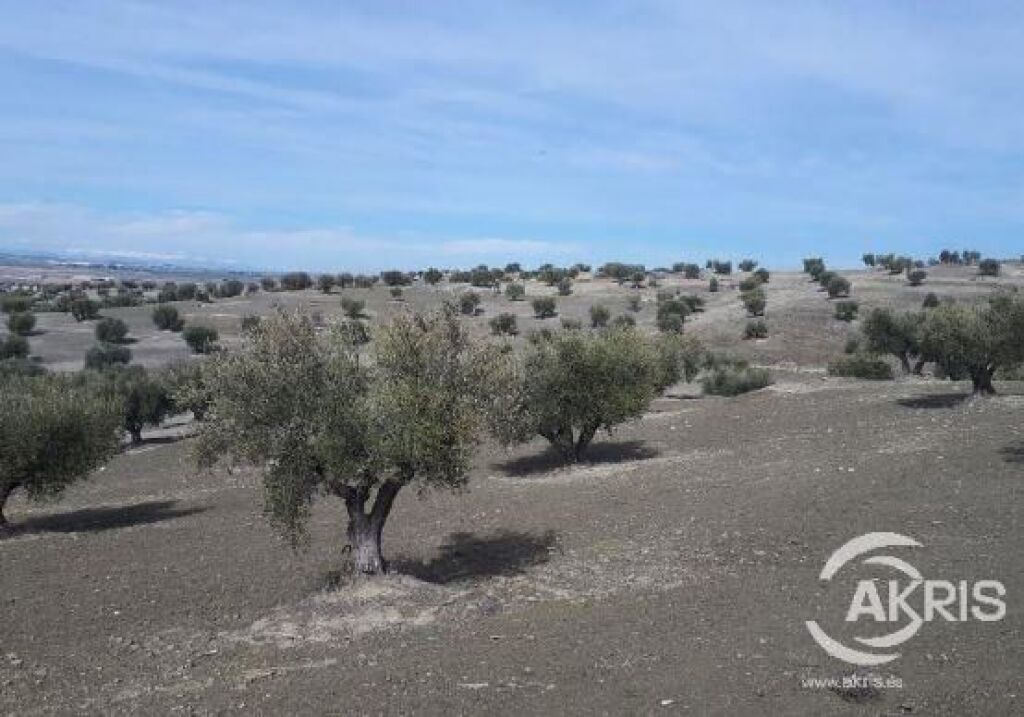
<point>672,573</point>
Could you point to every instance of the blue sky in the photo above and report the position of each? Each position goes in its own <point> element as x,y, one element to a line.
<point>334,135</point>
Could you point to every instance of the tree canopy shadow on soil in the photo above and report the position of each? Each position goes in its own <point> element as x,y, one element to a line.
<point>938,400</point>
<point>1013,454</point>
<point>93,520</point>
<point>466,556</point>
<point>550,459</point>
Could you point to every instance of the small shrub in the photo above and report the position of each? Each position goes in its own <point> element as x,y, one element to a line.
<point>21,323</point>
<point>504,324</point>
<point>296,281</point>
<point>515,292</point>
<point>734,379</point>
<point>762,274</point>
<point>326,282</point>
<point>917,277</point>
<point>111,331</point>
<point>15,303</point>
<point>755,301</point>
<point>633,302</point>
<point>750,283</point>
<point>250,323</point>
<point>599,315</point>
<point>852,344</point>
<point>571,324</point>
<point>672,315</point>
<point>565,286</point>
<point>166,318</point>
<point>353,308</point>
<point>860,365</point>
<point>84,309</point>
<point>747,265</point>
<point>104,356</point>
<point>930,301</point>
<point>846,310</point>
<point>396,293</point>
<point>713,285</point>
<point>756,329</point>
<point>201,339</point>
<point>837,286</point>
<point>15,346</point>
<point>544,307</point>
<point>988,267</point>
<point>469,302</point>
<point>623,320</point>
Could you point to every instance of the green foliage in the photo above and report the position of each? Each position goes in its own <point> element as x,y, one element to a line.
<point>763,275</point>
<point>84,309</point>
<point>622,321</point>
<point>988,267</point>
<point>166,318</point>
<point>396,293</point>
<point>731,378</point>
<point>53,432</point>
<point>201,339</point>
<point>599,316</point>
<point>268,283</point>
<point>564,286</point>
<point>754,301</point>
<point>469,302</point>
<point>571,324</point>
<point>186,386</point>
<point>504,324</point>
<point>354,332</point>
<point>395,278</point>
<point>621,272</point>
<point>317,421</point>
<point>544,307</point>
<point>353,308</point>
<point>931,300</point>
<point>633,303</point>
<point>296,281</point>
<point>868,259</point>
<point>672,315</point>
<point>104,355</point>
<point>846,310</point>
<point>111,331</point>
<point>15,303</point>
<point>852,345</point>
<point>916,277</point>
<point>21,323</point>
<point>886,332</point>
<point>432,276</point>
<point>679,358</point>
<point>249,322</point>
<point>15,346</point>
<point>747,265</point>
<point>573,384</point>
<point>750,283</point>
<point>713,285</point>
<point>756,329</point>
<point>144,398</point>
<point>326,282</point>
<point>837,286</point>
<point>515,292</point>
<point>860,365</point>
<point>975,341</point>
<point>814,266</point>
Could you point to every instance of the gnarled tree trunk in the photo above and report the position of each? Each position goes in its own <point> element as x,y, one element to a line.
<point>5,493</point>
<point>366,528</point>
<point>982,381</point>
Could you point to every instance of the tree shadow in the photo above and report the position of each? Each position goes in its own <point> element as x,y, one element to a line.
<point>465,556</point>
<point>94,520</point>
<point>1013,454</point>
<point>939,400</point>
<point>550,459</point>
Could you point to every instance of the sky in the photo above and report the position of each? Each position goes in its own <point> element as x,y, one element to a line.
<point>367,135</point>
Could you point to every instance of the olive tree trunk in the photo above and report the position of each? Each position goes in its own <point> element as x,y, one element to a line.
<point>5,493</point>
<point>982,381</point>
<point>571,447</point>
<point>365,528</point>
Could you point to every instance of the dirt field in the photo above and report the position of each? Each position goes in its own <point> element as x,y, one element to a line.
<point>672,573</point>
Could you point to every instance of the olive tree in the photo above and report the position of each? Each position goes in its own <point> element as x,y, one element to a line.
<point>300,406</point>
<point>975,341</point>
<point>571,384</point>
<point>144,398</point>
<point>53,432</point>
<point>887,332</point>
